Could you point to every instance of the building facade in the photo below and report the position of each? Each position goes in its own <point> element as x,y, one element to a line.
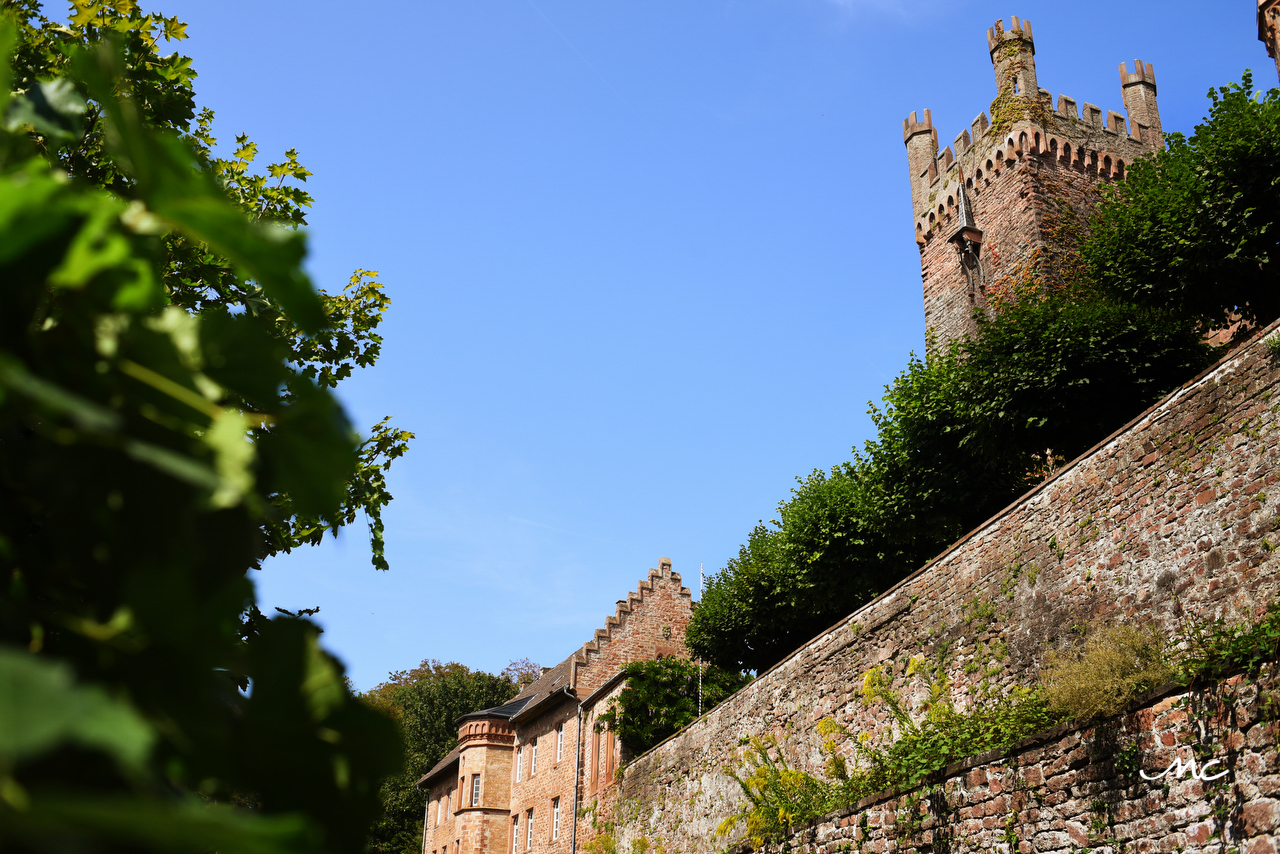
<point>523,772</point>
<point>1018,186</point>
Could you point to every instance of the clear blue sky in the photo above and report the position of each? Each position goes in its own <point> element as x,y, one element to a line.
<point>649,261</point>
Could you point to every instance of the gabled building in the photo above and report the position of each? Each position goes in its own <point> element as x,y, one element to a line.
<point>523,771</point>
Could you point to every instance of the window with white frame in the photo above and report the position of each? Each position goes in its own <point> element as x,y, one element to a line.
<point>555,819</point>
<point>515,834</point>
<point>533,759</point>
<point>475,790</point>
<point>560,742</point>
<point>440,810</point>
<point>519,761</point>
<point>528,821</point>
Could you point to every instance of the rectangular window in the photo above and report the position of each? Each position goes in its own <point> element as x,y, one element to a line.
<point>555,819</point>
<point>475,790</point>
<point>515,834</point>
<point>595,760</point>
<point>519,761</point>
<point>440,811</point>
<point>528,836</point>
<point>533,759</point>
<point>560,742</point>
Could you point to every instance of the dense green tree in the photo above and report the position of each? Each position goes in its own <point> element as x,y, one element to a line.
<point>662,697</point>
<point>1074,348</point>
<point>143,448</point>
<point>195,277</point>
<point>427,702</point>
<point>1047,375</point>
<point>1196,228</point>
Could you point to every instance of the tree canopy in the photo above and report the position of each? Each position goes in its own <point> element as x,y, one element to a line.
<point>144,451</point>
<point>1196,228</point>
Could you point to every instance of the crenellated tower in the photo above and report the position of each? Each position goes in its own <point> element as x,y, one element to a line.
<point>1019,184</point>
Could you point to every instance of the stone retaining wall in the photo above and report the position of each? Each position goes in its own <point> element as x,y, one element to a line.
<point>1167,519</point>
<point>1082,789</point>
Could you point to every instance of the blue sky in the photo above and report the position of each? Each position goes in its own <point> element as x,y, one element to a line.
<point>649,262</point>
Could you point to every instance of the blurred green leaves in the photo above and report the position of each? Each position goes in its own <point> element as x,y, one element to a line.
<point>41,708</point>
<point>146,451</point>
<point>226,240</point>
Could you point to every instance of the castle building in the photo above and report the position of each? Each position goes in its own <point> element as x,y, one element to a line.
<point>1017,186</point>
<point>523,772</point>
<point>1269,28</point>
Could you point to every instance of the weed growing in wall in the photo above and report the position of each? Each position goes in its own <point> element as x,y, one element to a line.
<point>1112,667</point>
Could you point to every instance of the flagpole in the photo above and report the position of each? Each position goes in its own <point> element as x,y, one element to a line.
<point>700,581</point>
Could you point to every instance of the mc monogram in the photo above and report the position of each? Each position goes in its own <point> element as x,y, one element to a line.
<point>1179,769</point>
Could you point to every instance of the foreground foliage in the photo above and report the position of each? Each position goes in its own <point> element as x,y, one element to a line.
<point>426,702</point>
<point>197,275</point>
<point>144,453</point>
<point>662,697</point>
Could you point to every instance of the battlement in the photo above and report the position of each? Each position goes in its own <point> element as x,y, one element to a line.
<point>1143,74</point>
<point>911,127</point>
<point>1018,31</point>
<point>992,179</point>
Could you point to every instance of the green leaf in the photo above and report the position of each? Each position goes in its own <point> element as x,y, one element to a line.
<point>42,707</point>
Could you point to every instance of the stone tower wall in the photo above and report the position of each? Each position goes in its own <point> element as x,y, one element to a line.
<point>1030,170</point>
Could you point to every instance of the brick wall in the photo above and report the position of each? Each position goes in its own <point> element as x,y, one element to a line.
<point>1074,789</point>
<point>554,778</point>
<point>648,624</point>
<point>1171,514</point>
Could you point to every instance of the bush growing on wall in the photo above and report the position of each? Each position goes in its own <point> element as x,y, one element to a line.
<point>661,698</point>
<point>959,437</point>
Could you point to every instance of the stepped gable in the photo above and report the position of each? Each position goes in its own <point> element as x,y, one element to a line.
<point>650,623</point>
<point>1030,171</point>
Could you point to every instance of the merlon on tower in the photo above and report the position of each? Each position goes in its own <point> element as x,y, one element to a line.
<point>997,198</point>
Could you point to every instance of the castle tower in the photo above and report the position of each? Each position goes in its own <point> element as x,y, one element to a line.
<point>1019,186</point>
<point>1269,28</point>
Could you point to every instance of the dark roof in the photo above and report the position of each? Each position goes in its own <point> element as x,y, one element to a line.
<point>506,710</point>
<point>552,682</point>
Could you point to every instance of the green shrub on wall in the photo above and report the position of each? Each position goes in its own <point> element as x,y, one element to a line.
<point>662,697</point>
